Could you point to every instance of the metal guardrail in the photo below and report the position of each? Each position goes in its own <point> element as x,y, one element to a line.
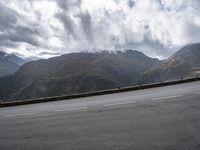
<point>103,92</point>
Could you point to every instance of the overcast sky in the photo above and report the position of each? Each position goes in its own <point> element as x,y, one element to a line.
<point>42,28</point>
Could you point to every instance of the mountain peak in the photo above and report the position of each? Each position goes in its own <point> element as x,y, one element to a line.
<point>3,55</point>
<point>9,63</point>
<point>190,48</point>
<point>184,63</point>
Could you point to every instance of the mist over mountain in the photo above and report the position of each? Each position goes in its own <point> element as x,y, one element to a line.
<point>9,63</point>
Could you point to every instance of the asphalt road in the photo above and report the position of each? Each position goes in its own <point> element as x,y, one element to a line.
<point>164,118</point>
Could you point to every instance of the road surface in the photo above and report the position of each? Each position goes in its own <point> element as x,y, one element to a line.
<point>163,118</point>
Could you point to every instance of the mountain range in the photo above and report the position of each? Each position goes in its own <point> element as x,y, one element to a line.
<point>9,63</point>
<point>86,72</point>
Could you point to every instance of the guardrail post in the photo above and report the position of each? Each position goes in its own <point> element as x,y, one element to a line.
<point>1,99</point>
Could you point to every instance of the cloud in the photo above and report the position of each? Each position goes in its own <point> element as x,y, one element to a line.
<point>156,27</point>
<point>86,25</point>
<point>68,24</point>
<point>8,17</point>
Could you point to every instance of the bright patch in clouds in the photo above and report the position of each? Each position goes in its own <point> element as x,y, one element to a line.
<point>47,28</point>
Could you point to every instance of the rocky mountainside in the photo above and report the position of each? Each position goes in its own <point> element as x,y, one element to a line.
<point>75,73</point>
<point>87,72</point>
<point>9,63</point>
<point>184,63</point>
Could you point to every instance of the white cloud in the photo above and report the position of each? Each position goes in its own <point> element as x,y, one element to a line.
<point>156,27</point>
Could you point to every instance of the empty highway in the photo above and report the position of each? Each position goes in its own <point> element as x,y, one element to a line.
<point>163,118</point>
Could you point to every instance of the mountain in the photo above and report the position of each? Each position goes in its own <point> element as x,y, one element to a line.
<point>75,73</point>
<point>87,72</point>
<point>9,63</point>
<point>184,63</point>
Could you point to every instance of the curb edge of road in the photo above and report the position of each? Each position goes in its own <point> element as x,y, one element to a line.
<point>103,92</point>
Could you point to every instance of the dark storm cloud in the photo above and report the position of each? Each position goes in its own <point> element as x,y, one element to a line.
<point>8,18</point>
<point>131,3</point>
<point>21,34</point>
<point>63,16</point>
<point>67,4</point>
<point>87,25</point>
<point>16,29</point>
<point>68,23</point>
<point>5,43</point>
